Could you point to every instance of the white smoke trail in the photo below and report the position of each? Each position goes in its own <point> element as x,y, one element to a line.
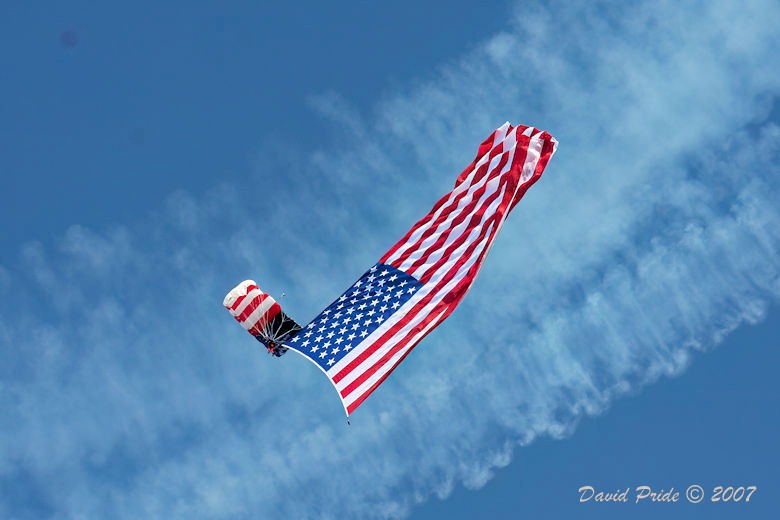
<point>127,392</point>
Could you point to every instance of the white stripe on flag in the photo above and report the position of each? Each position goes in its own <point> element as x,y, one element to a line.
<point>453,195</point>
<point>457,232</point>
<point>490,181</point>
<point>500,134</point>
<point>534,153</point>
<point>376,376</point>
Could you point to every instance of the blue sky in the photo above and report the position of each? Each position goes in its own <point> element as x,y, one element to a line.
<point>623,331</point>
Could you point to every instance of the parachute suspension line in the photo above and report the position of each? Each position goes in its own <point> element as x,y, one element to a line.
<point>266,330</point>
<point>274,334</point>
<point>270,333</point>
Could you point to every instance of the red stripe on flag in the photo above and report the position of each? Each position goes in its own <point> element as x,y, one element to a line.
<point>512,175</point>
<point>460,216</point>
<point>475,215</point>
<point>357,402</point>
<point>549,145</point>
<point>487,145</point>
<point>427,218</point>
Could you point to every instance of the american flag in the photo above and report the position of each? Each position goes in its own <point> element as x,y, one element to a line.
<point>363,335</point>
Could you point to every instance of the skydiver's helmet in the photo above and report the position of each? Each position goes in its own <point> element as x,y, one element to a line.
<point>261,316</point>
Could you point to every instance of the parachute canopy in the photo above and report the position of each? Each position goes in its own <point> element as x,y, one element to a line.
<point>260,315</point>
